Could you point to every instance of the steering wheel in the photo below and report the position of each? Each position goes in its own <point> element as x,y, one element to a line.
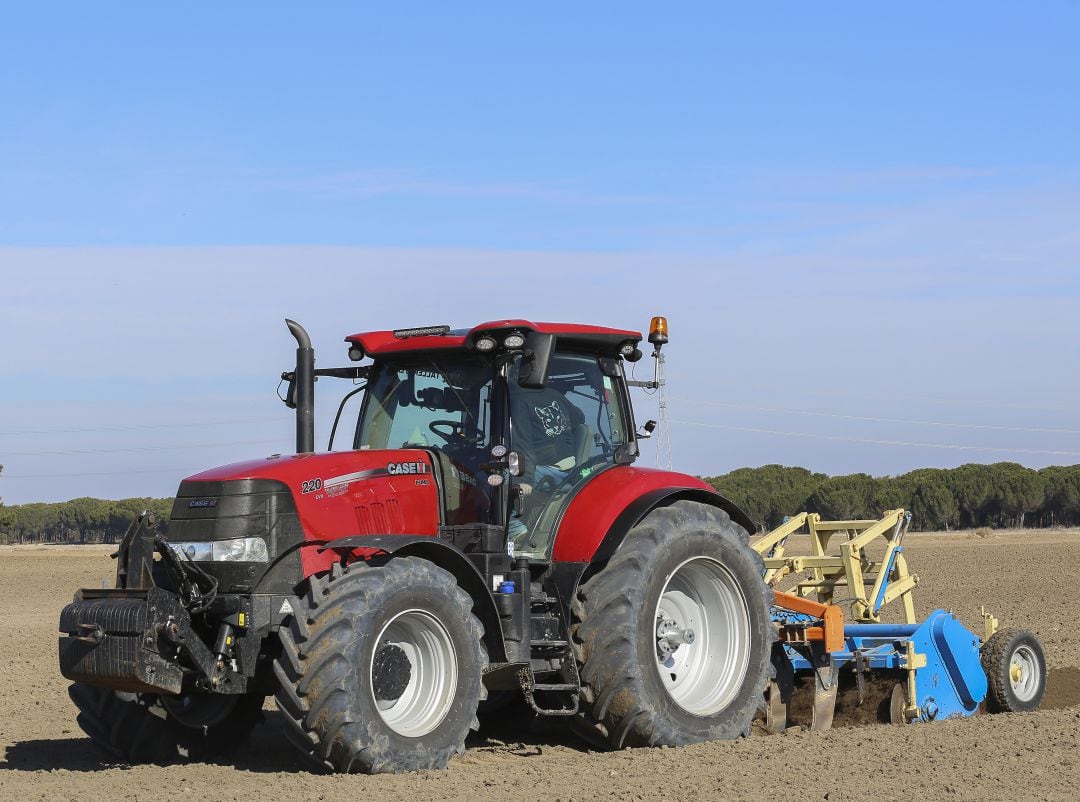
<point>456,433</point>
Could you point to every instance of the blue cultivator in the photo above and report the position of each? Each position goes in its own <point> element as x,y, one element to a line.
<point>931,670</point>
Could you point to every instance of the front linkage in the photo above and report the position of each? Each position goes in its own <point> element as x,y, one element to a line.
<point>147,633</point>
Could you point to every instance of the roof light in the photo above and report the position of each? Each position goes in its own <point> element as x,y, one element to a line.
<point>627,348</point>
<point>356,353</point>
<point>424,331</point>
<point>514,340</point>
<point>658,332</point>
<point>485,343</point>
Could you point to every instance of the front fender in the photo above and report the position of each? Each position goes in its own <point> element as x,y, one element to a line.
<point>449,559</point>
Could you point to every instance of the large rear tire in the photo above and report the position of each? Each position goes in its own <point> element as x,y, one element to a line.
<point>673,636</point>
<point>151,728</point>
<point>381,668</point>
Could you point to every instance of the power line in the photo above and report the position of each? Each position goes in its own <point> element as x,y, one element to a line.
<point>6,477</point>
<point>133,449</point>
<point>877,442</point>
<point>136,427</point>
<point>873,419</point>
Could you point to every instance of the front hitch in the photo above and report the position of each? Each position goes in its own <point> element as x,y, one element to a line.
<point>138,637</point>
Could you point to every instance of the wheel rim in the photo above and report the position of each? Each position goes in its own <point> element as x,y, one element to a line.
<point>702,636</point>
<point>1025,674</point>
<point>421,705</point>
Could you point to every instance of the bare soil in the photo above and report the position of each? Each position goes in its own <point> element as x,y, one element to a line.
<point>1027,579</point>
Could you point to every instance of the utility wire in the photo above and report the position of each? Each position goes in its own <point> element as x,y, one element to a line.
<point>137,427</point>
<point>877,442</point>
<point>133,449</point>
<point>873,419</point>
<point>5,477</point>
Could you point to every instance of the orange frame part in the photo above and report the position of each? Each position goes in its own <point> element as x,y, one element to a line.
<point>832,618</point>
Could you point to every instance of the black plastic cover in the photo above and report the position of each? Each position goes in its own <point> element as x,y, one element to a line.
<point>237,508</point>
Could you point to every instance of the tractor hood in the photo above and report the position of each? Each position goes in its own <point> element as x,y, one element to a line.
<point>338,494</point>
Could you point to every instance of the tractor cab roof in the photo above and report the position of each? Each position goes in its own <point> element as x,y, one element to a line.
<point>598,339</point>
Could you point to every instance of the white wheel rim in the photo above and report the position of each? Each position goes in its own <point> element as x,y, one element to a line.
<point>705,661</point>
<point>433,678</point>
<point>1024,673</point>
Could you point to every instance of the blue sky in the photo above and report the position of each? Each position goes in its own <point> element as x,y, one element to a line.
<point>848,212</point>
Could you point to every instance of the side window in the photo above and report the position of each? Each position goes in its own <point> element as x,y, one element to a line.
<point>575,419</point>
<point>565,432</point>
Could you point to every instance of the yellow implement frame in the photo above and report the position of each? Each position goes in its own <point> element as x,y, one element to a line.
<point>871,584</point>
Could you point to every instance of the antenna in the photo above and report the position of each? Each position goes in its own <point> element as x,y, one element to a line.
<point>658,337</point>
<point>663,442</point>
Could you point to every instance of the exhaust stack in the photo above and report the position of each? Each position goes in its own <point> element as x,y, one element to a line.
<point>304,398</point>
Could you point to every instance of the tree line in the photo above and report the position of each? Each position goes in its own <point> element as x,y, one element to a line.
<point>1002,494</point>
<point>997,495</point>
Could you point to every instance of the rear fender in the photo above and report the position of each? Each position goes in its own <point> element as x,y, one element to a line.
<point>636,511</point>
<point>449,559</point>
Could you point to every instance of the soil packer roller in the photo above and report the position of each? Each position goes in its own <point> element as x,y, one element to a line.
<point>483,526</point>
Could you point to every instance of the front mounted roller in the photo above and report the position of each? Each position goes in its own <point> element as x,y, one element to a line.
<point>380,668</point>
<point>673,636</point>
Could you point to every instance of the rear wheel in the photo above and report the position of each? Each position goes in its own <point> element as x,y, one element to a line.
<point>381,668</point>
<point>153,728</point>
<point>1015,671</point>
<point>673,636</point>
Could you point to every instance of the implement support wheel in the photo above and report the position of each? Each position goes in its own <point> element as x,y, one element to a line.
<point>1015,671</point>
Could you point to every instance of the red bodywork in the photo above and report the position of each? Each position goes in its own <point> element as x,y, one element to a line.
<point>596,506</point>
<point>352,493</point>
<point>348,493</point>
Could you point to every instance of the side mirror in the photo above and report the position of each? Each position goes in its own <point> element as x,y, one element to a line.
<point>536,362</point>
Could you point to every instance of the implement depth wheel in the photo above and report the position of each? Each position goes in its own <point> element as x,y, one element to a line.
<point>1015,671</point>
<point>381,667</point>
<point>673,636</point>
<point>153,728</point>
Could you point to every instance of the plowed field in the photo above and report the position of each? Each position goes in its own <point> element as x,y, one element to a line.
<point>1027,579</point>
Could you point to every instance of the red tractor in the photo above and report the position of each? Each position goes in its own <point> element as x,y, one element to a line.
<point>486,529</point>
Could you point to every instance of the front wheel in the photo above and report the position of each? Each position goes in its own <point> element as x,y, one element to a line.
<point>156,728</point>
<point>381,668</point>
<point>673,636</point>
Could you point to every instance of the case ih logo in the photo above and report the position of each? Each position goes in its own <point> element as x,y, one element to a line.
<point>403,468</point>
<point>202,502</point>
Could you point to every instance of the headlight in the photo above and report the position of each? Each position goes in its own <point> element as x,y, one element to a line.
<point>238,550</point>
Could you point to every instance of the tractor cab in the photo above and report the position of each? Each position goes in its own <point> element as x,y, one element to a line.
<point>514,430</point>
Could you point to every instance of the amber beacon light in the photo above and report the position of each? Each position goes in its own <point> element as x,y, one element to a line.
<point>658,333</point>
